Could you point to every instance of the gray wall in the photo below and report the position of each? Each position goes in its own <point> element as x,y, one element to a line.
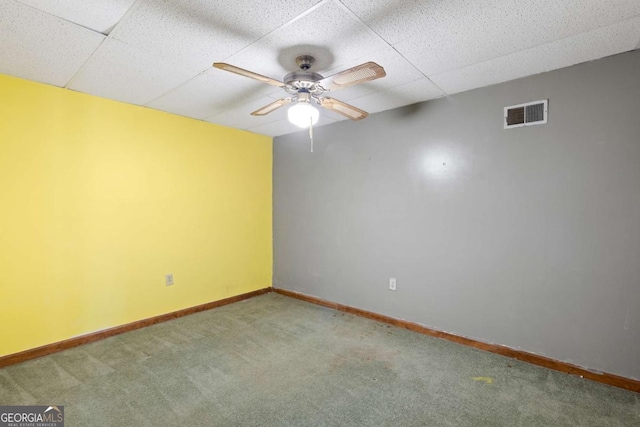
<point>528,237</point>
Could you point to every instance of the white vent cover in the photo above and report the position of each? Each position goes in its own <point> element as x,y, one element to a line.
<point>529,114</point>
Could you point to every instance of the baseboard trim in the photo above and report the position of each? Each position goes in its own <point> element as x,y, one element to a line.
<point>605,378</point>
<point>56,347</point>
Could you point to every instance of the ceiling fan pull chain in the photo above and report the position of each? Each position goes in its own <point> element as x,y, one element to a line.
<point>311,132</point>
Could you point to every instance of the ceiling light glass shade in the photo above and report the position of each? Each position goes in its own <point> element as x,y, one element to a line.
<point>303,114</point>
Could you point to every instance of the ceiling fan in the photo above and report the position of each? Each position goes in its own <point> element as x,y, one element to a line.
<point>307,87</point>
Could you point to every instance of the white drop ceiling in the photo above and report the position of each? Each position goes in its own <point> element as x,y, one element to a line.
<point>158,53</point>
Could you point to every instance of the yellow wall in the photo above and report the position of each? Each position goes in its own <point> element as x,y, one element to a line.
<point>100,199</point>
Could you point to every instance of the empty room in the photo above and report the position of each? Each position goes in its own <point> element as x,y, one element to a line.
<point>319,213</point>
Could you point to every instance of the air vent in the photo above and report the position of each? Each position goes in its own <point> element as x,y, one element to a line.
<point>529,114</point>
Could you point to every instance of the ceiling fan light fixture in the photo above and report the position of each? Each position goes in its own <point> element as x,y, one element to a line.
<point>303,114</point>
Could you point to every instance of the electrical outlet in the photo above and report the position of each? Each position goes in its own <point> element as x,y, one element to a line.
<point>168,279</point>
<point>392,283</point>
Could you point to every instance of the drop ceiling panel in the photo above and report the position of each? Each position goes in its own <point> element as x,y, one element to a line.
<point>395,21</point>
<point>277,128</point>
<point>209,93</point>
<point>41,47</point>
<point>406,94</point>
<point>583,47</point>
<point>328,32</point>
<point>122,72</point>
<point>98,15</point>
<point>199,32</point>
<point>463,33</point>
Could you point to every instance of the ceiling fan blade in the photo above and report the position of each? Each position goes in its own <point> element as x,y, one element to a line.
<point>271,107</point>
<point>353,76</point>
<point>346,110</point>
<point>247,73</point>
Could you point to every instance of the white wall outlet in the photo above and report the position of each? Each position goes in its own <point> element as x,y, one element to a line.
<point>392,283</point>
<point>168,279</point>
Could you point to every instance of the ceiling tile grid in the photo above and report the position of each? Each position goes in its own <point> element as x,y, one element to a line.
<point>396,21</point>
<point>158,53</point>
<point>38,46</point>
<point>328,32</point>
<point>199,32</point>
<point>126,73</point>
<point>97,15</point>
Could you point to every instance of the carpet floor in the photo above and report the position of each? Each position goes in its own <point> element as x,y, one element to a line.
<point>277,361</point>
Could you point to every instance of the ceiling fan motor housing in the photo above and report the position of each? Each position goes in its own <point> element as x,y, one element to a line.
<point>302,79</point>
